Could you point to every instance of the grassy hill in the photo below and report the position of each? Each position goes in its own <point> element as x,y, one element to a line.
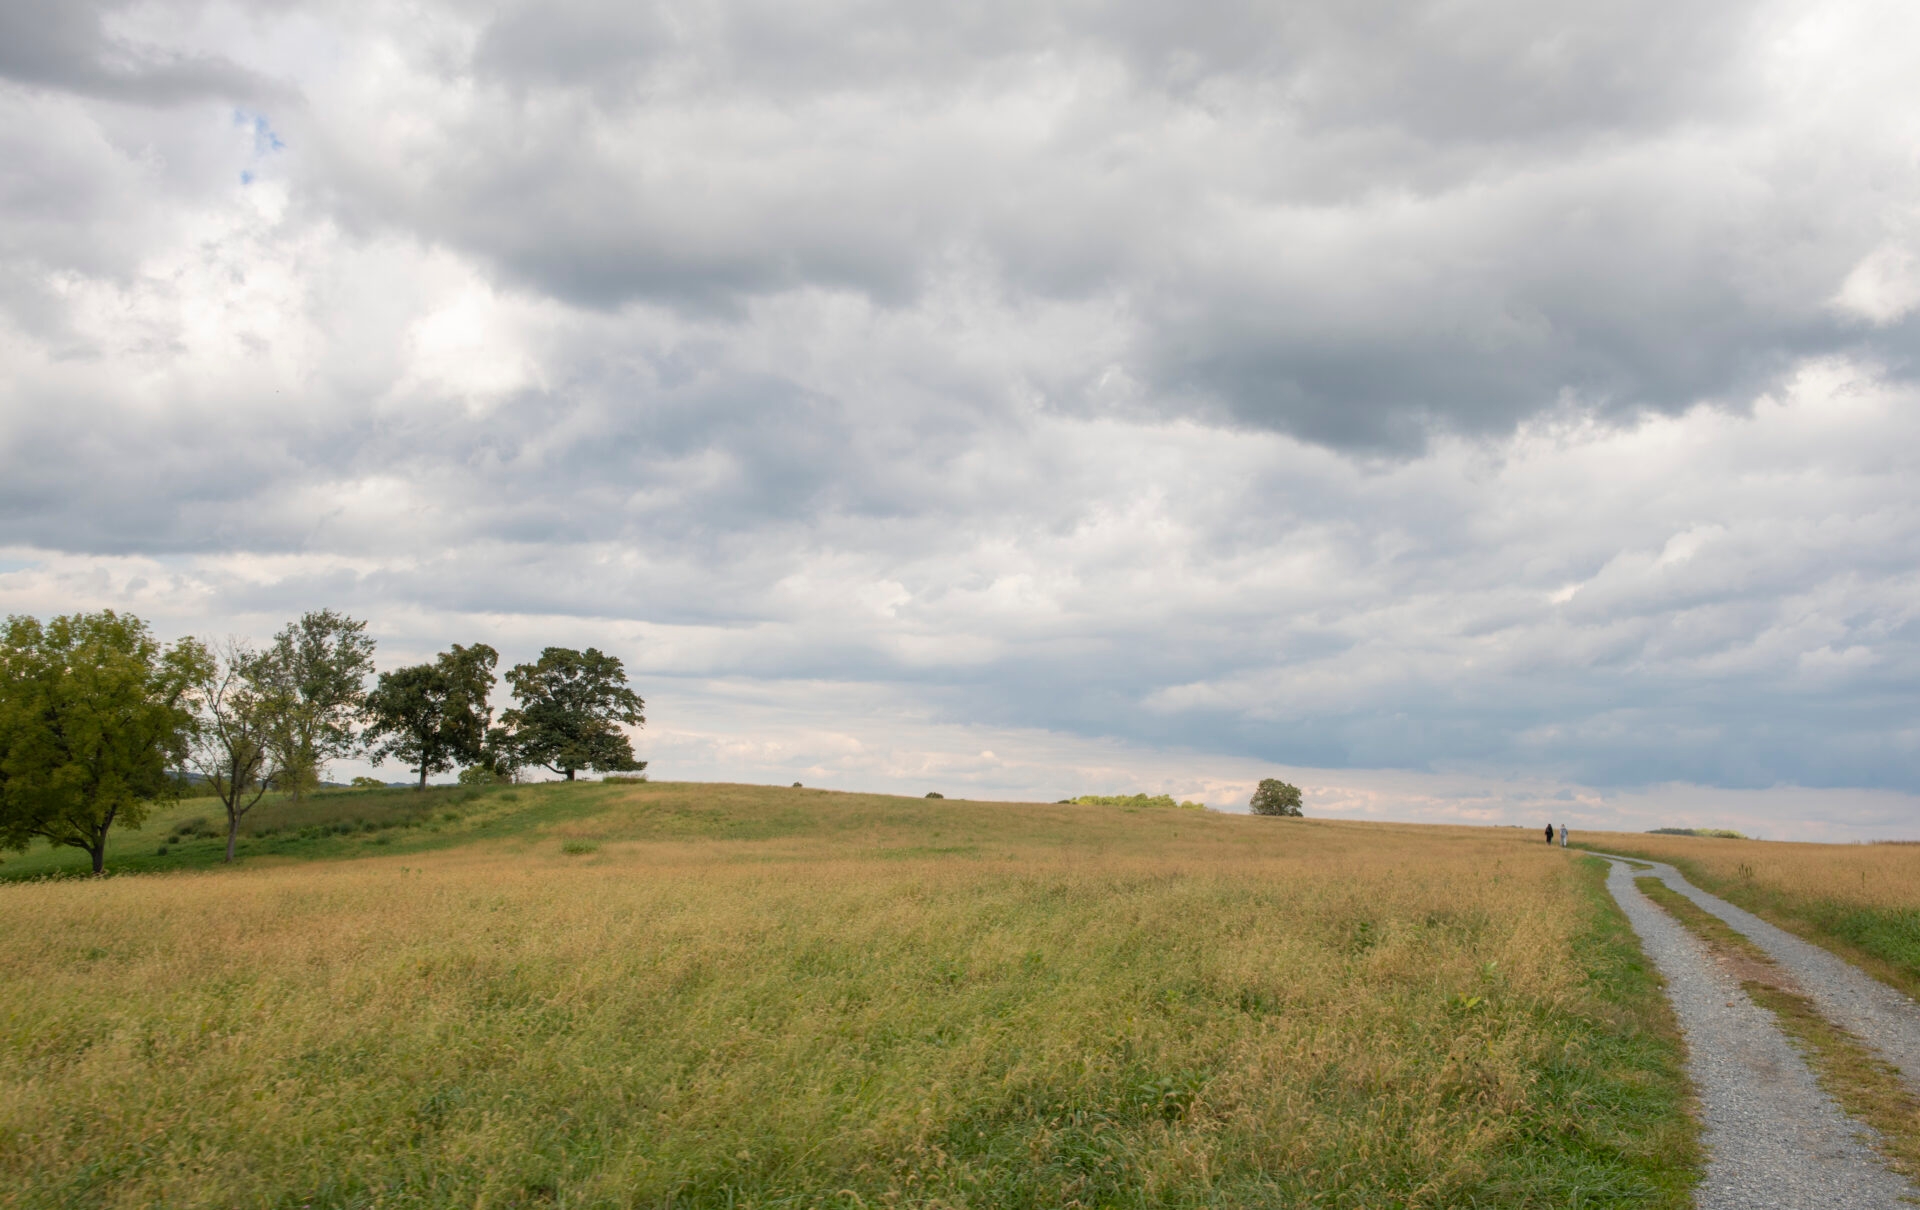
<point>713,995</point>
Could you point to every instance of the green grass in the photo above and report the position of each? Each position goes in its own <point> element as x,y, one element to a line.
<point>1632,1069</point>
<point>1891,935</point>
<point>327,825</point>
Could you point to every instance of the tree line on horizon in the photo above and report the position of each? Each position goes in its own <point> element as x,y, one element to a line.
<point>99,720</point>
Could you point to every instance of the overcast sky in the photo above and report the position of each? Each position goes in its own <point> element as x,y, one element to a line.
<point>1472,410</point>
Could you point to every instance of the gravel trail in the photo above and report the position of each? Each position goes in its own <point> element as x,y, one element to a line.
<point>1773,1138</point>
<point>1885,1019</point>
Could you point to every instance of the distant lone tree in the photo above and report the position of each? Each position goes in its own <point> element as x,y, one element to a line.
<point>1275,797</point>
<point>433,716</point>
<point>569,708</point>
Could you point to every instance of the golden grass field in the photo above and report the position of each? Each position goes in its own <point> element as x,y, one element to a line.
<point>1862,900</point>
<point>744,996</point>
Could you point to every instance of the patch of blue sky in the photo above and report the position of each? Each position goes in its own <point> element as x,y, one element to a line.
<point>265,140</point>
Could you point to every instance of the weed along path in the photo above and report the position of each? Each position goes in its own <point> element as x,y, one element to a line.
<point>1774,1139</point>
<point>1885,1018</point>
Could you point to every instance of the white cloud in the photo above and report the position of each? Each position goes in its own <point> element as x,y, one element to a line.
<point>1489,393</point>
<point>1884,287</point>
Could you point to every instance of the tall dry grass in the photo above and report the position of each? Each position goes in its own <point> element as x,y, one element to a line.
<point>1248,1012</point>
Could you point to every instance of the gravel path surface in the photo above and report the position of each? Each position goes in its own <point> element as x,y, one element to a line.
<point>1885,1019</point>
<point>1774,1139</point>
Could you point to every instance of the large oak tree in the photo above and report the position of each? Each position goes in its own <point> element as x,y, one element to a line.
<point>1276,797</point>
<point>433,717</point>
<point>569,709</point>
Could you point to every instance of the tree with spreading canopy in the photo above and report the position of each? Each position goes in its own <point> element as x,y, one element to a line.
<point>569,709</point>
<point>315,676</point>
<point>1275,797</point>
<point>433,716</point>
<point>95,713</point>
<point>234,746</point>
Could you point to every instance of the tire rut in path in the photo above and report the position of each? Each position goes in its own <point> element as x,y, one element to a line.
<point>1773,1138</point>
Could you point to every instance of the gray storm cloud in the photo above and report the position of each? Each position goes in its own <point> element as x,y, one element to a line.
<point>1448,387</point>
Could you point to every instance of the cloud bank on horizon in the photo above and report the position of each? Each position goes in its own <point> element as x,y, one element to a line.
<point>1468,390</point>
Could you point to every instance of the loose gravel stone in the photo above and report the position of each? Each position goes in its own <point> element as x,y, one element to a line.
<point>1773,1138</point>
<point>1885,1019</point>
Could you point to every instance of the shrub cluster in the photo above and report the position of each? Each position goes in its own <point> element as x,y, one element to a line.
<point>1136,800</point>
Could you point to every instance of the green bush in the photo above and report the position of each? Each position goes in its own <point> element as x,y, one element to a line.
<point>187,829</point>
<point>1134,800</point>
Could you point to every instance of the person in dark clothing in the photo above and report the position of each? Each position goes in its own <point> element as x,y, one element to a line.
<point>1549,833</point>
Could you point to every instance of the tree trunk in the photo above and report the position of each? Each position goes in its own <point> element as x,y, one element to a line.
<point>233,829</point>
<point>569,774</point>
<point>97,843</point>
<point>423,777</point>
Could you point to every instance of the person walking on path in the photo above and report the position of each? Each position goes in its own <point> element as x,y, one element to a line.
<point>1549,833</point>
<point>1563,836</point>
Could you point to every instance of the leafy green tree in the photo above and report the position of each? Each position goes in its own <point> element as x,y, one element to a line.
<point>433,716</point>
<point>1275,797</point>
<point>235,744</point>
<point>316,674</point>
<point>500,757</point>
<point>569,711</point>
<point>94,716</point>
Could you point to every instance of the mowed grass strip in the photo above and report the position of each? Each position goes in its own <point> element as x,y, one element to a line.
<point>1862,902</point>
<point>190,834</point>
<point>750,997</point>
<point>1865,1085</point>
